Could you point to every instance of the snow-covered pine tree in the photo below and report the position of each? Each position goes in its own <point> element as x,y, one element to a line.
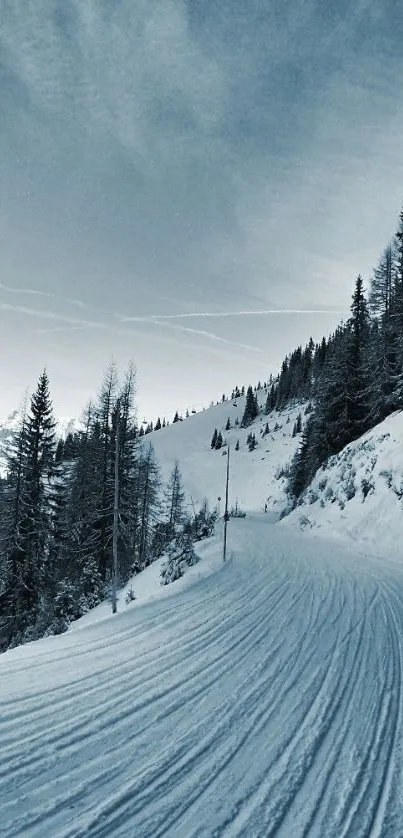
<point>180,554</point>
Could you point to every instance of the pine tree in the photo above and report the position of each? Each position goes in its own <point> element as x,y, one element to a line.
<point>385,344</point>
<point>357,354</point>
<point>251,408</point>
<point>104,509</point>
<point>214,438</point>
<point>398,276</point>
<point>30,502</point>
<point>271,399</point>
<point>175,501</point>
<point>303,464</point>
<point>148,508</point>
<point>297,426</point>
<point>11,555</point>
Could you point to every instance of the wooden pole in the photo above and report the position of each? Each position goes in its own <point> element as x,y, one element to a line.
<point>116,516</point>
<point>226,514</point>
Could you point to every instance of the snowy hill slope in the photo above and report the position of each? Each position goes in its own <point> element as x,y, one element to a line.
<point>253,473</point>
<point>358,494</point>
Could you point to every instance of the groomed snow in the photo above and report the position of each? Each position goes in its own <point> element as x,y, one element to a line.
<point>261,700</point>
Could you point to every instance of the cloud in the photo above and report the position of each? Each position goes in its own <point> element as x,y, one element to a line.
<point>72,328</point>
<point>51,315</point>
<point>207,335</point>
<point>37,293</point>
<point>152,318</point>
<point>134,72</point>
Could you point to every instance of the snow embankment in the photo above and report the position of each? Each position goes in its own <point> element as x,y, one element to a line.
<point>147,586</point>
<point>358,494</point>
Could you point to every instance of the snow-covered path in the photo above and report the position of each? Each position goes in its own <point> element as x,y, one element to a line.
<point>265,699</point>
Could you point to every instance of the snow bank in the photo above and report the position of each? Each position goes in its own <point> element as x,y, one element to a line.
<point>358,494</point>
<point>146,586</point>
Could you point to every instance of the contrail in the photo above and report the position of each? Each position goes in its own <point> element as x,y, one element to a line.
<point>216,314</point>
<point>50,315</point>
<point>33,292</point>
<point>208,335</point>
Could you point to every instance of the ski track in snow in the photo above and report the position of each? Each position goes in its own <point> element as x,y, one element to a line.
<point>264,700</point>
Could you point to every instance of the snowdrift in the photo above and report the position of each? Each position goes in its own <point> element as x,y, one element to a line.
<point>358,494</point>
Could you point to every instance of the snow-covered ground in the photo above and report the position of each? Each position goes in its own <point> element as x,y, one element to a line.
<point>146,586</point>
<point>261,700</point>
<point>254,699</point>
<point>358,495</point>
<point>253,473</point>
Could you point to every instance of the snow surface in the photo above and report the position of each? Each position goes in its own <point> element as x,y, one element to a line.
<point>252,699</point>
<point>358,495</point>
<point>263,699</point>
<point>253,473</point>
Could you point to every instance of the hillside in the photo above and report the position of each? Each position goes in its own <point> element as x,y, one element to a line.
<point>358,494</point>
<point>253,473</point>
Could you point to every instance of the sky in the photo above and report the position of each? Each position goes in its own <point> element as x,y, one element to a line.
<point>191,185</point>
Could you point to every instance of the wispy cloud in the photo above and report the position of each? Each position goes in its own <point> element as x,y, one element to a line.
<point>74,324</point>
<point>152,318</point>
<point>33,292</point>
<point>82,327</point>
<point>208,335</point>
<point>51,315</point>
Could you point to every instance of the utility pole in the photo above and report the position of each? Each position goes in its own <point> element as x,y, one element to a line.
<point>226,515</point>
<point>116,514</point>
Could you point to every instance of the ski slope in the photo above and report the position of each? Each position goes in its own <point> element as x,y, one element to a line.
<point>263,699</point>
<point>253,473</point>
